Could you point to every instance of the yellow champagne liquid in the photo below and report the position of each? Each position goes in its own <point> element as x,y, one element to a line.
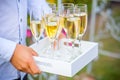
<point>83,22</point>
<point>51,29</point>
<point>63,21</point>
<point>73,27</point>
<point>35,27</point>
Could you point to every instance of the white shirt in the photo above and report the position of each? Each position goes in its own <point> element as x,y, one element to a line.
<point>13,24</point>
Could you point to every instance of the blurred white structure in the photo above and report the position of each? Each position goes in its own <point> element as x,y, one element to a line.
<point>107,18</point>
<point>110,26</point>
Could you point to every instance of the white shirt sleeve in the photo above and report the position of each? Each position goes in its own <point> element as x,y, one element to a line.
<point>39,4</point>
<point>7,48</point>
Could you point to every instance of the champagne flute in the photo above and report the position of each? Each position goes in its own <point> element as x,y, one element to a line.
<point>52,9</point>
<point>36,24</point>
<point>66,52</point>
<point>81,12</point>
<point>63,16</point>
<point>51,29</point>
<point>72,29</point>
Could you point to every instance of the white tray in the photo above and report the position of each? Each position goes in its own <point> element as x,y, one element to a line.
<point>61,67</point>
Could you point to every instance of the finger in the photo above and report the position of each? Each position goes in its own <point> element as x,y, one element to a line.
<point>33,67</point>
<point>29,70</point>
<point>34,53</point>
<point>25,67</point>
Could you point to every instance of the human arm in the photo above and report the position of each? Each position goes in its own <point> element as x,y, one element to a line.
<point>7,48</point>
<point>20,56</point>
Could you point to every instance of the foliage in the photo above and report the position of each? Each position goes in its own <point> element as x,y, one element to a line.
<point>52,1</point>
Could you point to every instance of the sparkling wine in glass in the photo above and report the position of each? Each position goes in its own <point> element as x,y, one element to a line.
<point>72,26</point>
<point>63,17</point>
<point>36,24</point>
<point>51,28</point>
<point>65,50</point>
<point>81,13</point>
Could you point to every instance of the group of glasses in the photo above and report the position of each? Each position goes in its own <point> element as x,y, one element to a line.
<point>68,17</point>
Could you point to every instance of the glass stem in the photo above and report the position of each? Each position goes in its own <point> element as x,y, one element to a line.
<point>73,44</point>
<point>67,43</point>
<point>52,44</point>
<point>52,47</point>
<point>80,39</point>
<point>57,45</point>
<point>37,41</point>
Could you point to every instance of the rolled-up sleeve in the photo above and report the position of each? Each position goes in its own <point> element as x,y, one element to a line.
<point>7,48</point>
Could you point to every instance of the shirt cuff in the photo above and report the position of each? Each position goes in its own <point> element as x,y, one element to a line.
<point>7,48</point>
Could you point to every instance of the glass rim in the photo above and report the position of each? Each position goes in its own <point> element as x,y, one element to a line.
<point>51,3</point>
<point>65,4</point>
<point>81,5</point>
